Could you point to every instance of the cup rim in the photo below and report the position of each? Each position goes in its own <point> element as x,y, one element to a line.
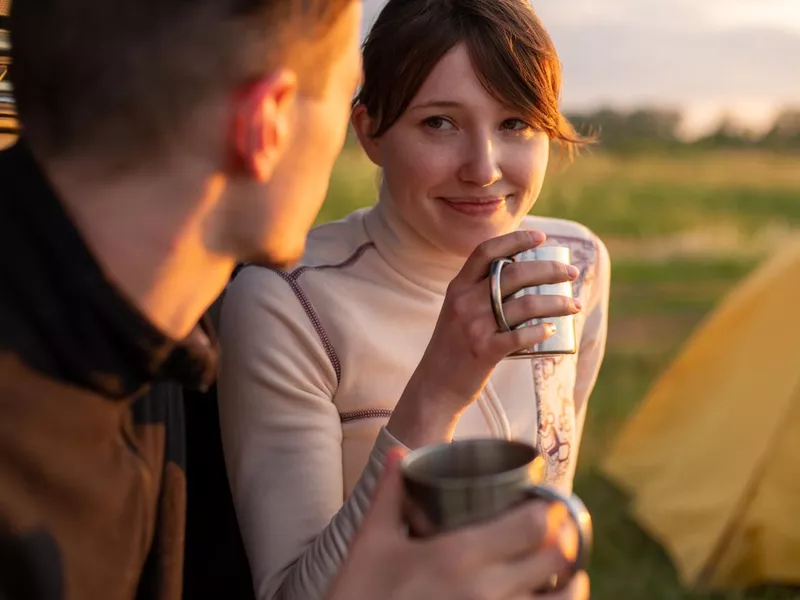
<point>493,479</point>
<point>546,248</point>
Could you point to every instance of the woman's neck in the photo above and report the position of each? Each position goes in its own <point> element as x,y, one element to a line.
<point>407,251</point>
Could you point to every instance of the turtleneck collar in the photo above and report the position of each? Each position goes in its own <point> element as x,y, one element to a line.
<point>406,251</point>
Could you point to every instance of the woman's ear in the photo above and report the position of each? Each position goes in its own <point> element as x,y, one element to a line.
<point>364,125</point>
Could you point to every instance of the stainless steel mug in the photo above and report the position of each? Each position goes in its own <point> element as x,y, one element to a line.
<point>564,340</point>
<point>451,485</point>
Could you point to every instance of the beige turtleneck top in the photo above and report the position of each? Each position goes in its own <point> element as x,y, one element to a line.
<point>313,362</point>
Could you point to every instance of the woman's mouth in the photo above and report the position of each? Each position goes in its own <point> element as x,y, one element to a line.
<point>476,206</point>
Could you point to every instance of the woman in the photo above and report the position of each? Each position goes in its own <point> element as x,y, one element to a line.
<point>385,335</point>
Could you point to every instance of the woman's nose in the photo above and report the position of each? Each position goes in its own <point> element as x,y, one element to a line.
<point>480,165</point>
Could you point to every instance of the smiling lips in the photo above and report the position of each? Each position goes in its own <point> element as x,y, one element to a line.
<point>476,207</point>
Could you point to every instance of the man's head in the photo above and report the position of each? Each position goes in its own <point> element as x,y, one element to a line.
<point>254,94</point>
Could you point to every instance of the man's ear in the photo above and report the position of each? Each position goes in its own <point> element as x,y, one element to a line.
<point>364,126</point>
<point>262,123</point>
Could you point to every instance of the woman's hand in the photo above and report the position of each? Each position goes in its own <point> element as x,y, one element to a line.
<point>466,344</point>
<point>504,559</point>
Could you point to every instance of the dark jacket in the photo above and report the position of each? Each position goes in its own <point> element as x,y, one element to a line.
<point>216,564</point>
<point>92,479</point>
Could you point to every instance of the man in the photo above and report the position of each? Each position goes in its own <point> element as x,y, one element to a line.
<point>165,141</point>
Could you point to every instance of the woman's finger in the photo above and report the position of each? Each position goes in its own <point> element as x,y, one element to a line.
<point>505,343</point>
<point>519,310</point>
<point>531,273</point>
<point>532,306</point>
<point>476,267</point>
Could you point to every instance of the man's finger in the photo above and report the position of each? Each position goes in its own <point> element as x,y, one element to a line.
<point>512,536</point>
<point>519,577</point>
<point>477,266</point>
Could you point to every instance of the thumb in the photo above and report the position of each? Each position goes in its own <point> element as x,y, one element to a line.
<point>387,503</point>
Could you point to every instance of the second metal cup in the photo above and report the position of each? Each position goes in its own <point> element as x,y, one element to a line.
<point>468,481</point>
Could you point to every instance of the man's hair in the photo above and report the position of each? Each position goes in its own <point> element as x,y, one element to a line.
<point>91,76</point>
<point>511,51</point>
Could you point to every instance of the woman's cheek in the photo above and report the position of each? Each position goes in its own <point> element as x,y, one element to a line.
<point>525,171</point>
<point>426,169</point>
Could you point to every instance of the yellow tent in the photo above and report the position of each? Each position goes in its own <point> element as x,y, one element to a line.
<point>711,459</point>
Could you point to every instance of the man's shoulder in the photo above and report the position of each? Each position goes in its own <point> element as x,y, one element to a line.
<point>90,461</point>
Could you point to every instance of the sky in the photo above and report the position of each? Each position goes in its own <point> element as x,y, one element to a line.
<point>709,58</point>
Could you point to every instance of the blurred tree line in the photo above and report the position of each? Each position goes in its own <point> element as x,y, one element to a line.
<point>655,129</point>
<point>660,129</point>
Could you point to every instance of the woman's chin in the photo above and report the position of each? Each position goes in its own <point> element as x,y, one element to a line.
<point>460,236</point>
<point>465,245</point>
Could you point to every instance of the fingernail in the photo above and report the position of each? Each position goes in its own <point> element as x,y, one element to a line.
<point>578,304</point>
<point>573,272</point>
<point>537,237</point>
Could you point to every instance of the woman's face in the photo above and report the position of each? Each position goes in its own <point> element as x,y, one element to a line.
<point>460,166</point>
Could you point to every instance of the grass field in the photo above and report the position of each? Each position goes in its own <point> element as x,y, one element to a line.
<point>682,231</point>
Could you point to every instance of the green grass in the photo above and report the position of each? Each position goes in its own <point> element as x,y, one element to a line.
<point>629,208</point>
<point>682,231</point>
<point>673,287</point>
<point>719,203</point>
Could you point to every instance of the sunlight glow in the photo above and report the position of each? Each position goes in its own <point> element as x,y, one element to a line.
<point>781,14</point>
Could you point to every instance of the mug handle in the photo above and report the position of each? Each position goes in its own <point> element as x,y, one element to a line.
<point>580,515</point>
<point>496,294</point>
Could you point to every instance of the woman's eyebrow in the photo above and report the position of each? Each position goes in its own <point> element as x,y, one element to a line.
<point>437,104</point>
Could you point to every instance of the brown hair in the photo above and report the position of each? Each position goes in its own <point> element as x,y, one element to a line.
<point>97,75</point>
<point>513,56</point>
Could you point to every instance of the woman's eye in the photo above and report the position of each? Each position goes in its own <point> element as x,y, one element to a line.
<point>438,123</point>
<point>515,125</point>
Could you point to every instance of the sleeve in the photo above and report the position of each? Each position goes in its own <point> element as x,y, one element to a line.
<point>593,340</point>
<point>282,439</point>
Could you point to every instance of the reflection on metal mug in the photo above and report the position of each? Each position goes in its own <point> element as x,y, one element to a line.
<point>563,341</point>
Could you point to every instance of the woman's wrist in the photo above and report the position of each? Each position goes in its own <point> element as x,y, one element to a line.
<point>422,418</point>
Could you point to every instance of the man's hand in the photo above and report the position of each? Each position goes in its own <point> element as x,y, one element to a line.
<point>502,560</point>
